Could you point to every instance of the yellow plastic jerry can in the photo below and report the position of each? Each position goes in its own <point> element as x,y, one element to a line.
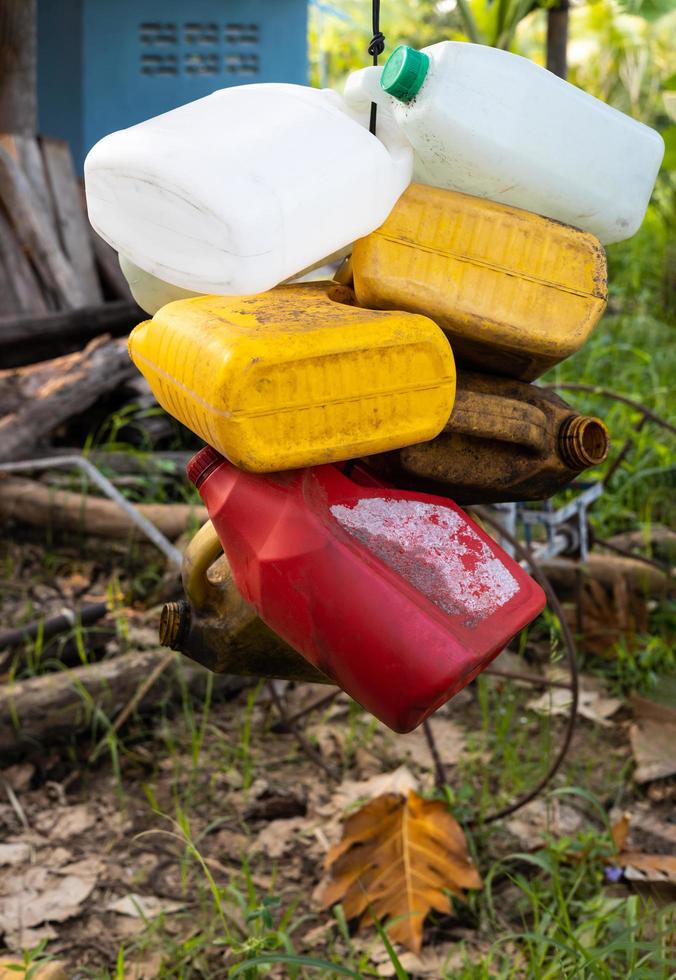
<point>514,292</point>
<point>297,376</point>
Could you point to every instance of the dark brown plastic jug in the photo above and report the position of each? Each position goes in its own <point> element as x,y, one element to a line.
<point>505,440</point>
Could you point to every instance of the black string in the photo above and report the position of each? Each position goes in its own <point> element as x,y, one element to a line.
<point>375,48</point>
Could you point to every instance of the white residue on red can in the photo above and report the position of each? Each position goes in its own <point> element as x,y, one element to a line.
<point>435,550</point>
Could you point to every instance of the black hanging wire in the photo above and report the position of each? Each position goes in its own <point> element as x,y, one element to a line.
<point>375,48</point>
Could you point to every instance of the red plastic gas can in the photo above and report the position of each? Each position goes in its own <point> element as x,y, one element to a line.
<point>397,596</point>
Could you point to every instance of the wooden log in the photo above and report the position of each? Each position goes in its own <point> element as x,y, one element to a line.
<point>167,463</point>
<point>109,269</point>
<point>659,541</point>
<point>35,234</point>
<point>21,291</point>
<point>18,89</point>
<point>26,151</point>
<point>37,399</point>
<point>71,221</point>
<point>41,708</point>
<point>42,506</point>
<point>606,570</point>
<point>22,338</point>
<point>47,628</point>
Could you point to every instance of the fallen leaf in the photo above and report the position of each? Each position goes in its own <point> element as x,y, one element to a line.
<point>146,968</point>
<point>143,906</point>
<point>41,895</point>
<point>398,856</point>
<point>637,866</point>
<point>350,792</point>
<point>433,963</point>
<point>14,853</point>
<point>449,738</point>
<point>28,938</point>
<point>593,701</point>
<point>540,817</point>
<point>11,969</point>
<point>66,821</point>
<point>652,743</point>
<point>647,867</point>
<point>19,777</point>
<point>278,837</point>
<point>620,831</point>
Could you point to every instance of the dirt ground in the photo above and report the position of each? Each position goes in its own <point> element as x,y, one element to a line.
<point>113,841</point>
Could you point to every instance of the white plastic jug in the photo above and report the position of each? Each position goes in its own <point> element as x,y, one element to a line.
<point>495,125</point>
<point>238,191</point>
<point>151,293</point>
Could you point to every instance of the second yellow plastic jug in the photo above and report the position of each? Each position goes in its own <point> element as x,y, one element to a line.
<point>514,292</point>
<point>297,376</point>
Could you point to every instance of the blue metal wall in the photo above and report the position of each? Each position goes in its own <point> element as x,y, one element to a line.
<point>106,64</point>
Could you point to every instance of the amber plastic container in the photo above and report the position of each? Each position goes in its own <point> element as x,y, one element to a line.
<point>505,440</point>
<point>514,292</point>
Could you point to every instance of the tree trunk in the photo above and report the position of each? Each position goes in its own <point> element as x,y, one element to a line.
<point>18,93</point>
<point>40,505</point>
<point>557,39</point>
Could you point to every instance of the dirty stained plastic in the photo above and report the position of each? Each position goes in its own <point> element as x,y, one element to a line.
<point>397,596</point>
<point>505,440</point>
<point>298,375</point>
<point>515,293</point>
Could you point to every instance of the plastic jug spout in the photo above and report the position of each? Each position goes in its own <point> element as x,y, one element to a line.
<point>583,441</point>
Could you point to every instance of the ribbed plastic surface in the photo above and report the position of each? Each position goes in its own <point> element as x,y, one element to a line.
<point>202,463</point>
<point>296,376</point>
<point>514,292</point>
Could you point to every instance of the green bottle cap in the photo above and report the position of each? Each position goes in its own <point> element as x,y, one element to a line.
<point>404,73</point>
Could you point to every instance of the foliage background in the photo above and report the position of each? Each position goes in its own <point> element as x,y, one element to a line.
<point>624,52</point>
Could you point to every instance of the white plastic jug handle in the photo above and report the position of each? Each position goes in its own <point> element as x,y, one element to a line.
<point>363,87</point>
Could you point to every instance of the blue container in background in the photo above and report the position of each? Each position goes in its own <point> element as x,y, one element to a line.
<point>107,64</point>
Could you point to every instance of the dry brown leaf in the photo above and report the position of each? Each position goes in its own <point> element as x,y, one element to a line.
<point>652,743</point>
<point>540,817</point>
<point>620,831</point>
<point>352,791</point>
<point>65,822</point>
<point>38,895</point>
<point>593,700</point>
<point>636,865</point>
<point>279,836</point>
<point>12,969</point>
<point>16,853</point>
<point>143,906</point>
<point>648,867</point>
<point>398,858</point>
<point>449,737</point>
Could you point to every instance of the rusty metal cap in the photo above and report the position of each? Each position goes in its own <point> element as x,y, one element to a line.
<point>202,464</point>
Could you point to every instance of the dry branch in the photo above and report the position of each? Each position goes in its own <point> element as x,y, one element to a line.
<point>36,400</point>
<point>42,506</point>
<point>42,707</point>
<point>604,569</point>
<point>19,335</point>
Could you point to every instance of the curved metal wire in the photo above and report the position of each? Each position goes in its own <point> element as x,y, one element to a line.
<point>569,644</point>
